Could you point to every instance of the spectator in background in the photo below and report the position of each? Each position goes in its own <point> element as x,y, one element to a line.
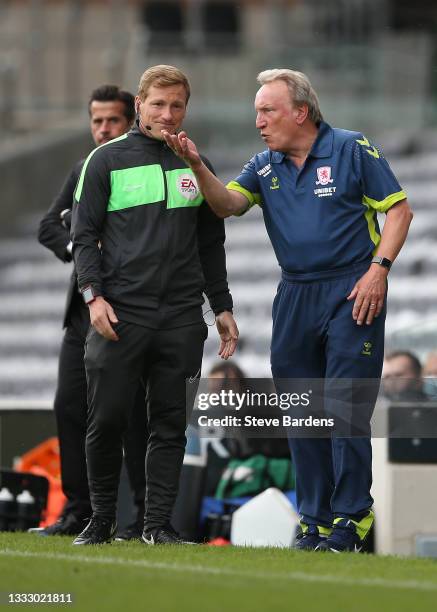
<point>430,366</point>
<point>430,375</point>
<point>226,376</point>
<point>402,377</point>
<point>229,376</point>
<point>254,463</point>
<point>111,111</point>
<point>240,442</point>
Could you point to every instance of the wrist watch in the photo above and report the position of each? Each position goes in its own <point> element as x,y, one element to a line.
<point>382,261</point>
<point>88,294</point>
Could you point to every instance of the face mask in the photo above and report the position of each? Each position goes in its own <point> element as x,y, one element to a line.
<point>430,386</point>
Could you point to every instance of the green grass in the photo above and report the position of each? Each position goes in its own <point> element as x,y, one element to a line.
<point>132,576</point>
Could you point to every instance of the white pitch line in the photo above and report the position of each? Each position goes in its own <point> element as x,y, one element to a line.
<point>218,571</point>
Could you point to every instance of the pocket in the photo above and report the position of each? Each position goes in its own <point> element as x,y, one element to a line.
<point>90,332</point>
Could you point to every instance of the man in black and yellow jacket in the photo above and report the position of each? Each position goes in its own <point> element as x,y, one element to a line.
<point>146,246</point>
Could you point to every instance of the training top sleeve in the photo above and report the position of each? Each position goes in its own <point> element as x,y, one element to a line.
<point>247,183</point>
<point>51,232</point>
<point>89,211</point>
<point>381,189</point>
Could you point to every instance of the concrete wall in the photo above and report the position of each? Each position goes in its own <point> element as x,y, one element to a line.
<point>33,169</point>
<point>405,502</point>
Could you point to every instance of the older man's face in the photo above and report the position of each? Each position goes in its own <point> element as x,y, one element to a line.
<point>276,116</point>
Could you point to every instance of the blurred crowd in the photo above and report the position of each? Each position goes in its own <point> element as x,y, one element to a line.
<point>406,378</point>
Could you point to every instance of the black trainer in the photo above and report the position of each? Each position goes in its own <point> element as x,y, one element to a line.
<point>163,535</point>
<point>66,525</point>
<point>308,539</point>
<point>131,532</point>
<point>98,531</point>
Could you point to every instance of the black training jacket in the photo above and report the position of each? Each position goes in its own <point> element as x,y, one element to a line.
<point>144,237</point>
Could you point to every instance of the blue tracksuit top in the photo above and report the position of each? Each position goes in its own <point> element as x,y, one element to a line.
<point>324,215</point>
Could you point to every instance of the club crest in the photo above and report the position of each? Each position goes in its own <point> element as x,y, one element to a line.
<point>324,175</point>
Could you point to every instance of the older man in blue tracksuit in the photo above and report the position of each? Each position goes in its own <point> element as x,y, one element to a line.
<point>320,189</point>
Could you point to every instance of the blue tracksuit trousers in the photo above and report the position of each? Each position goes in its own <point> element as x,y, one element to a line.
<point>314,336</point>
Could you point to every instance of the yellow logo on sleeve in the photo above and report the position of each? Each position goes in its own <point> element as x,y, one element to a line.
<point>373,151</point>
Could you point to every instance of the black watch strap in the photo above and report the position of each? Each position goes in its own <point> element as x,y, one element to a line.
<point>382,261</point>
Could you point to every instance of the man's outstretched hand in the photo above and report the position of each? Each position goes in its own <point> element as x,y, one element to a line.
<point>228,332</point>
<point>184,148</point>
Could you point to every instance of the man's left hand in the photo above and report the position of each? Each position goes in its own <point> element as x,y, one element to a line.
<point>228,332</point>
<point>369,294</point>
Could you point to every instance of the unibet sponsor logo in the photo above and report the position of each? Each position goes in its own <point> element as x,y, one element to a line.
<point>367,349</point>
<point>325,192</point>
<point>187,186</point>
<point>265,171</point>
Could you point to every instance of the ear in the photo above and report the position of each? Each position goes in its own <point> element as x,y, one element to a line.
<point>301,113</point>
<point>137,104</point>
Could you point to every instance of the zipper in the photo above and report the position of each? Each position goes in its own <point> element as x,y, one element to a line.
<point>165,249</point>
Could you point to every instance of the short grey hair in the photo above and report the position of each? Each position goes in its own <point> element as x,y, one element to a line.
<point>299,86</point>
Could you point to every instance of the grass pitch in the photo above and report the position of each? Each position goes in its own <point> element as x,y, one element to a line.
<point>132,576</point>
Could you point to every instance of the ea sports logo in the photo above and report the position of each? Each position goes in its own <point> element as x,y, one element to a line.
<point>187,186</point>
